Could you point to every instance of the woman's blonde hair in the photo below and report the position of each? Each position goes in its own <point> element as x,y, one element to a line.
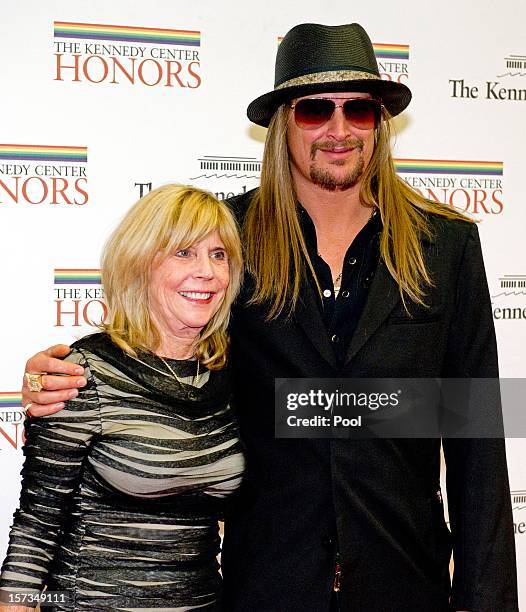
<point>275,250</point>
<point>169,218</point>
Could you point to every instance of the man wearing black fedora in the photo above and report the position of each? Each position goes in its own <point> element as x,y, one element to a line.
<point>350,273</point>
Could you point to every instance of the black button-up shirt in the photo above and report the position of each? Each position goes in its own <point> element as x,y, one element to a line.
<point>341,312</point>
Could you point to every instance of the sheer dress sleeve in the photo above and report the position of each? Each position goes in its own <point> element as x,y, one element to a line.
<point>56,449</point>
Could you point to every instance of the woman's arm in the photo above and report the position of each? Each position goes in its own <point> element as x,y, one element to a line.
<point>55,451</point>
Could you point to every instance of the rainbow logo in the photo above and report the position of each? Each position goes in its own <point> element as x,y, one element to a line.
<point>43,153</point>
<point>97,31</point>
<point>77,276</point>
<point>392,52</point>
<point>441,166</point>
<point>10,399</point>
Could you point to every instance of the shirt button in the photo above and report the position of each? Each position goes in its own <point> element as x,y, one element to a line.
<point>192,395</point>
<point>345,294</point>
<point>327,293</point>
<point>335,338</point>
<point>352,261</point>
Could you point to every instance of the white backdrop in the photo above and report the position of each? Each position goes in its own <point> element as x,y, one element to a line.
<point>148,93</point>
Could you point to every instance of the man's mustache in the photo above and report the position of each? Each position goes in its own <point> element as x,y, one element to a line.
<point>332,145</point>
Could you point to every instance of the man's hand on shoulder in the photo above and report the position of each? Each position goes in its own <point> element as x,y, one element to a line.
<point>55,389</point>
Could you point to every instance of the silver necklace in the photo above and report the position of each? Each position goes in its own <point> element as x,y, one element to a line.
<point>336,280</point>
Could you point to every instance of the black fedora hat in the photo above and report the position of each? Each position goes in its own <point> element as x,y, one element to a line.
<point>314,58</point>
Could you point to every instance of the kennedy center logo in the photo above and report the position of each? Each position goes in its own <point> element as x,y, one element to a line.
<point>11,420</point>
<point>43,174</point>
<point>227,176</point>
<point>473,187</point>
<point>508,299</point>
<point>393,61</point>
<point>117,54</point>
<point>79,298</point>
<point>515,66</point>
<point>507,86</point>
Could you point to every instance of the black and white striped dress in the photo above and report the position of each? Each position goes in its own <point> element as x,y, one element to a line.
<point>123,488</point>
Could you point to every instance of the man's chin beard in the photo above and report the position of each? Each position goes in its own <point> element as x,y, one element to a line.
<point>329,182</point>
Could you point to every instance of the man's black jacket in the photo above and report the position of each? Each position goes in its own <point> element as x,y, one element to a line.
<point>376,500</point>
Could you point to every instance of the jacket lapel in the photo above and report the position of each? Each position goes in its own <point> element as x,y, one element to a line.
<point>309,318</point>
<point>382,298</point>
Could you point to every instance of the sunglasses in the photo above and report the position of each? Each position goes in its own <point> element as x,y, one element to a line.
<point>312,113</point>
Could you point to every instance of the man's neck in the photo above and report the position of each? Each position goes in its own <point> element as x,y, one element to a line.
<point>335,214</point>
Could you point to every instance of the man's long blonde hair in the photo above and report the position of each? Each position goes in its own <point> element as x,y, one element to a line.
<point>169,218</point>
<point>275,250</point>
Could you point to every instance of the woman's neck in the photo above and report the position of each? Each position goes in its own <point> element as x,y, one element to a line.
<point>176,348</point>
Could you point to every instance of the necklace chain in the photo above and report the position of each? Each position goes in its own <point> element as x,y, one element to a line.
<point>195,380</point>
<point>336,280</point>
<point>170,372</point>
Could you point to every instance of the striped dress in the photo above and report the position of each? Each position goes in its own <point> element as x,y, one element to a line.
<point>122,490</point>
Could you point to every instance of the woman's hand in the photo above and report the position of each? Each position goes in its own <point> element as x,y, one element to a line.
<point>56,389</point>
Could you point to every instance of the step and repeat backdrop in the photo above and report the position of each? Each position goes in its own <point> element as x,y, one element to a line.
<point>103,101</point>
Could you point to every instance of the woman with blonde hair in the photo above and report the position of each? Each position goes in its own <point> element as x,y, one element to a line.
<point>123,488</point>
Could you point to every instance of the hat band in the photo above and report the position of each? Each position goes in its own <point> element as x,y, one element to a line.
<point>335,76</point>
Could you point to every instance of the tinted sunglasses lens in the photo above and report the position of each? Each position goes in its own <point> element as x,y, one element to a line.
<point>363,114</point>
<point>312,113</point>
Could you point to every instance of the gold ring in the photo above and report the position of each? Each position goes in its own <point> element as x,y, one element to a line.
<point>34,381</point>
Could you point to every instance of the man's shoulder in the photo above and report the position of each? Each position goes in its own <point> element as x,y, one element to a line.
<point>239,204</point>
<point>444,228</point>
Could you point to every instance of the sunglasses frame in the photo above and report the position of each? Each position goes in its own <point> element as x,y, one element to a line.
<point>332,99</point>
